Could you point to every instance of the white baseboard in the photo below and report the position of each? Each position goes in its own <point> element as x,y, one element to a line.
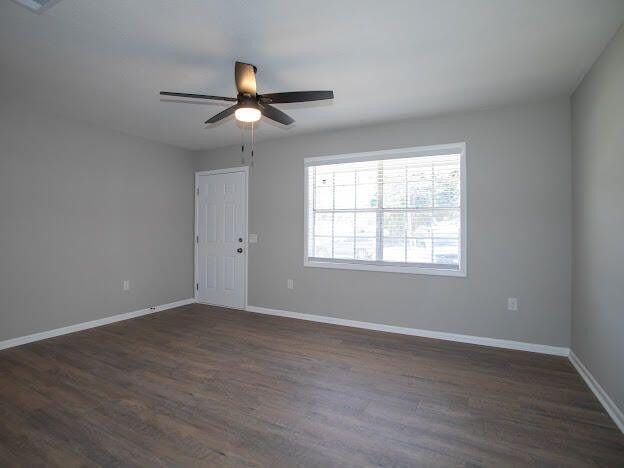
<point>92,324</point>
<point>479,340</point>
<point>609,405</point>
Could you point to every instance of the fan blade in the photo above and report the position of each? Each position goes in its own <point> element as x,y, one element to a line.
<point>222,115</point>
<point>274,113</point>
<point>245,76</point>
<point>297,96</point>
<point>198,96</point>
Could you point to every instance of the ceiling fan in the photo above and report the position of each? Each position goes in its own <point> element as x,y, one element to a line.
<point>250,105</point>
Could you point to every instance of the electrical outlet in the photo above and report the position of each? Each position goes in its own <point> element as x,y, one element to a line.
<point>290,284</point>
<point>253,238</point>
<point>126,285</point>
<point>512,303</point>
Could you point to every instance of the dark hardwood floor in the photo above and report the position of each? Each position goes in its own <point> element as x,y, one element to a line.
<point>205,386</point>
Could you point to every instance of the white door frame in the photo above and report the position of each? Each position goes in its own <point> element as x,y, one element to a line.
<point>245,170</point>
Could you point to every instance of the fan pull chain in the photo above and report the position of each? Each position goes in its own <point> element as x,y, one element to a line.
<point>242,144</point>
<point>251,161</point>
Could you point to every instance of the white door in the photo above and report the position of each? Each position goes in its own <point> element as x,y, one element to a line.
<point>221,237</point>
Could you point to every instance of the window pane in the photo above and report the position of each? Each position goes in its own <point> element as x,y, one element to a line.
<point>343,247</point>
<point>345,196</point>
<point>420,194</point>
<point>324,198</point>
<point>419,250</point>
<point>446,251</point>
<point>394,224</point>
<point>342,177</point>
<point>366,248</point>
<point>420,170</point>
<point>394,195</point>
<point>324,175</point>
<point>344,224</point>
<point>393,249</point>
<point>367,196</point>
<point>447,187</point>
<point>367,176</point>
<point>366,224</point>
<point>419,224</point>
<point>323,224</point>
<point>322,247</point>
<point>445,223</point>
<point>394,171</point>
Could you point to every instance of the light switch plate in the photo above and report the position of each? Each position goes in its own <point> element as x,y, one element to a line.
<point>253,238</point>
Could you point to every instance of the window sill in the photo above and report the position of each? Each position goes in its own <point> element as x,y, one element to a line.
<point>412,270</point>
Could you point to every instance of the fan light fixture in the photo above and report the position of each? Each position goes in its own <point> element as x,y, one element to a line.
<point>247,114</point>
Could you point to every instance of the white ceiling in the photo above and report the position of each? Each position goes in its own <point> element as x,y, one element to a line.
<point>105,61</point>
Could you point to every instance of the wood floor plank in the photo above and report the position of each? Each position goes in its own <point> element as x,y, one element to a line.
<point>205,386</point>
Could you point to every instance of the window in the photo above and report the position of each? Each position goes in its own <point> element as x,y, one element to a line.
<point>397,210</point>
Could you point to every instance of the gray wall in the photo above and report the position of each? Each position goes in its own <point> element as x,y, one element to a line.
<point>82,209</point>
<point>598,181</point>
<point>519,220</point>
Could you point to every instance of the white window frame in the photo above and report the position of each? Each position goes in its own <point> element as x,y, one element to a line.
<point>421,269</point>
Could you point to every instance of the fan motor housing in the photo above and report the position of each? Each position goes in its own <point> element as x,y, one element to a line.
<point>247,100</point>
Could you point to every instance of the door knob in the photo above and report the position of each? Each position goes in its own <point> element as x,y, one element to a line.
<point>239,250</point>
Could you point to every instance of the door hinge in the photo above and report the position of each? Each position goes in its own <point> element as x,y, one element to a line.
<point>198,191</point>
<point>197,286</point>
<point>197,239</point>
